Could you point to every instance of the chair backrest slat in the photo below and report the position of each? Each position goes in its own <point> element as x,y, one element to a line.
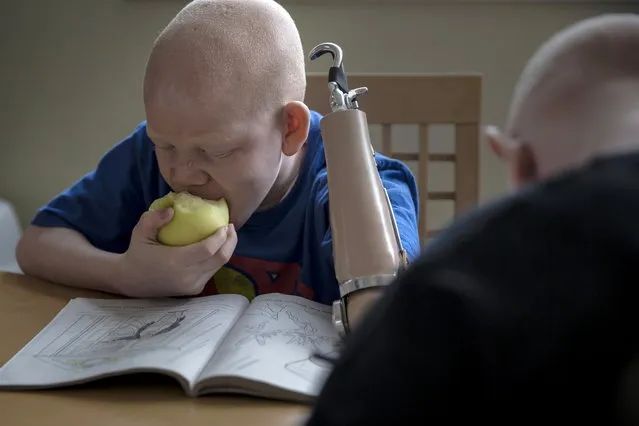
<point>422,100</point>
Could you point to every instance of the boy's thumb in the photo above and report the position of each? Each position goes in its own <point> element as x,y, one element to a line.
<point>153,220</point>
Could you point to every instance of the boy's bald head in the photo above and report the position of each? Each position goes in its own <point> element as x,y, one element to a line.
<point>230,55</point>
<point>579,93</point>
<point>223,96</point>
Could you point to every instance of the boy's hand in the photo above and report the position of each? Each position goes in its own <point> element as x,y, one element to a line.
<point>150,269</point>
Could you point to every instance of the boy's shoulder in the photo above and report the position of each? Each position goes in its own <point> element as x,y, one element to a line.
<point>138,144</point>
<point>135,151</point>
<point>390,168</point>
<point>105,204</point>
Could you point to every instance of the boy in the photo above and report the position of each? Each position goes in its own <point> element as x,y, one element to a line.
<point>524,311</point>
<point>223,94</point>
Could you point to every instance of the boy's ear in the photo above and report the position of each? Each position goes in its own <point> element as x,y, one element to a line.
<point>297,121</point>
<point>499,144</point>
<point>519,157</point>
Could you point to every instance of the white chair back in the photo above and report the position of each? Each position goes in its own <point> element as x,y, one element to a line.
<point>10,232</point>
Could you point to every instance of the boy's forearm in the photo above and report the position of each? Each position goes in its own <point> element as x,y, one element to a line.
<point>65,257</point>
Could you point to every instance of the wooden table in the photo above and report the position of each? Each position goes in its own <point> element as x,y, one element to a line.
<point>27,305</point>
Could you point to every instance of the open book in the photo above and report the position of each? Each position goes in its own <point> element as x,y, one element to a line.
<point>213,344</point>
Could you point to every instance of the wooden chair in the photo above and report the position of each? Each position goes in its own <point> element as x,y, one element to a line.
<point>422,100</point>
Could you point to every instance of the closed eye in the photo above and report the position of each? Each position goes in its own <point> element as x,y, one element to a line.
<point>224,154</point>
<point>219,154</point>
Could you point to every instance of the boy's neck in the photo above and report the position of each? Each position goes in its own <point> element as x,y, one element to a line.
<point>285,180</point>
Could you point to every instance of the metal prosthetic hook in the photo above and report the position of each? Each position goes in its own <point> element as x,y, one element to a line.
<point>341,97</point>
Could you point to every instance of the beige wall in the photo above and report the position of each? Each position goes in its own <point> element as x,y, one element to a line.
<point>71,70</point>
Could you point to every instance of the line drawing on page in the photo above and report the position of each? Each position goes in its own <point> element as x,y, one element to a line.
<point>139,332</point>
<point>271,310</point>
<point>95,339</point>
<point>257,333</point>
<point>305,334</point>
<point>296,331</point>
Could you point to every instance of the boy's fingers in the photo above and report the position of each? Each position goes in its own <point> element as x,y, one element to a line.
<point>205,249</point>
<point>224,253</point>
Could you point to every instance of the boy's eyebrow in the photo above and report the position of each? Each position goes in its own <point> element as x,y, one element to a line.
<point>214,140</point>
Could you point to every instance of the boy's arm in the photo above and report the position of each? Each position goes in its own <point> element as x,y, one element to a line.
<point>402,192</point>
<point>77,237</point>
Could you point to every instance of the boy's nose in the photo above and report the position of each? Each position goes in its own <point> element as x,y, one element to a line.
<point>186,175</point>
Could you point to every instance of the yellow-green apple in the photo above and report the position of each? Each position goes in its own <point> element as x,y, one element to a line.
<point>194,218</point>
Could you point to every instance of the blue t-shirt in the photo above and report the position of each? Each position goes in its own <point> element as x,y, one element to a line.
<point>286,249</point>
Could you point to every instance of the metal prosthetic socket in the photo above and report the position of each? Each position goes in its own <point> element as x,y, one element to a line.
<point>367,248</point>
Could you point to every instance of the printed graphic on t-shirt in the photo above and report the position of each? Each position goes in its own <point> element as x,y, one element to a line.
<point>251,277</point>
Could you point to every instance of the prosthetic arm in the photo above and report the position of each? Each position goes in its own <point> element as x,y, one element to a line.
<point>367,249</point>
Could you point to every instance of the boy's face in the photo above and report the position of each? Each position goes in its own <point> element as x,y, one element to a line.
<point>218,155</point>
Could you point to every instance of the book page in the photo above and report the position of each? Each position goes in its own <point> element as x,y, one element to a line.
<point>91,338</point>
<point>275,342</point>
